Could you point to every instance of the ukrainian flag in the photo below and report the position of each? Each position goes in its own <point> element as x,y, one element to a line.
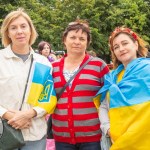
<point>129,103</point>
<point>42,91</point>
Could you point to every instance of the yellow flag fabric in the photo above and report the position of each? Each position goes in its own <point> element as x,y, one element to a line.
<point>42,91</point>
<point>128,124</point>
<point>129,105</point>
<point>96,101</point>
<point>130,131</point>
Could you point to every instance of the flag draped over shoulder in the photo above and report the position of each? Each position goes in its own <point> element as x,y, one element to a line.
<point>42,91</point>
<point>129,105</point>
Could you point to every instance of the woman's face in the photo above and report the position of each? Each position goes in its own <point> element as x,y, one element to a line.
<point>124,48</point>
<point>19,32</point>
<point>46,50</point>
<point>76,41</point>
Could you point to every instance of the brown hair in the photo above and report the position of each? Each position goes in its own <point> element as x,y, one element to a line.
<point>142,50</point>
<point>41,46</point>
<point>9,18</point>
<point>77,25</point>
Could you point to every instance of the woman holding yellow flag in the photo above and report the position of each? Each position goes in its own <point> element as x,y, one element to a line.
<point>125,102</point>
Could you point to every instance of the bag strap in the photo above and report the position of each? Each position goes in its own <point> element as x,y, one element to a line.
<point>26,82</point>
<point>63,89</point>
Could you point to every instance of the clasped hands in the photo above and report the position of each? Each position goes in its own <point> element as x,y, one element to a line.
<point>20,119</point>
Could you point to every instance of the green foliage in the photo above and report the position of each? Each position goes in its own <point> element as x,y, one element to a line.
<point>52,16</point>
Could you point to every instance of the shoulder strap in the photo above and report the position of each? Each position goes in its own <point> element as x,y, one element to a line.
<point>26,82</point>
<point>63,89</point>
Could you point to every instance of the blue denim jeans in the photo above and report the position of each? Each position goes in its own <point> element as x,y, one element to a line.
<point>78,146</point>
<point>35,145</point>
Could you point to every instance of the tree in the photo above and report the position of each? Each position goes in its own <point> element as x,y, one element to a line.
<point>52,16</point>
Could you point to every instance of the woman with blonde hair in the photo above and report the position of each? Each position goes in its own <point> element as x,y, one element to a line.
<point>24,76</point>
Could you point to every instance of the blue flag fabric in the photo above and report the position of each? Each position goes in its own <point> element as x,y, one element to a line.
<point>42,92</point>
<point>134,88</point>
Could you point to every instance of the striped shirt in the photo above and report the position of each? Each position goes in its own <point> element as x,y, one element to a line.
<point>75,119</point>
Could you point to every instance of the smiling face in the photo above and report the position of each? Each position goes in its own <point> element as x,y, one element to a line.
<point>19,32</point>
<point>125,49</point>
<point>76,42</point>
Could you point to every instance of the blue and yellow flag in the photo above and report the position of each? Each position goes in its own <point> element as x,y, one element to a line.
<point>42,91</point>
<point>129,105</point>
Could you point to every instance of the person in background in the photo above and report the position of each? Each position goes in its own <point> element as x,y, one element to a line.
<point>18,34</point>
<point>76,124</point>
<point>92,53</point>
<point>125,101</point>
<point>45,50</point>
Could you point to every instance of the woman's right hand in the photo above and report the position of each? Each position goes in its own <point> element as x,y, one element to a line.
<point>8,115</point>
